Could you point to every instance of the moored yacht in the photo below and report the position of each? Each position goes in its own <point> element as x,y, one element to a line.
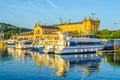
<point>24,44</point>
<point>112,44</point>
<point>69,45</point>
<point>37,46</point>
<point>11,42</point>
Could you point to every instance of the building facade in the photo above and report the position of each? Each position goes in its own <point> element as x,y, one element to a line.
<point>41,31</point>
<point>87,26</point>
<point>28,35</point>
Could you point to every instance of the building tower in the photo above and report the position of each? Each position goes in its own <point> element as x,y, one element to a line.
<point>97,24</point>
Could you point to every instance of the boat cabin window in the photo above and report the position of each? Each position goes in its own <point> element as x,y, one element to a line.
<point>86,36</point>
<point>72,44</point>
<point>88,43</point>
<point>114,42</point>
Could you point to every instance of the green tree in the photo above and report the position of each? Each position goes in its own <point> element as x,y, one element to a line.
<point>107,34</point>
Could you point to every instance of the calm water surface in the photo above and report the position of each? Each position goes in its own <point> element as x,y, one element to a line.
<point>28,65</point>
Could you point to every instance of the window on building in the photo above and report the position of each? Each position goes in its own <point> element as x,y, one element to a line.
<point>37,37</point>
<point>38,32</point>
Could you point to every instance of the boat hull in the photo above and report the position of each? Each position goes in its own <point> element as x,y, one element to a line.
<point>69,53</point>
<point>80,50</point>
<point>10,44</point>
<point>23,47</point>
<point>40,49</point>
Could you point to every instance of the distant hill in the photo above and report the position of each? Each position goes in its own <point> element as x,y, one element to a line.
<point>9,29</point>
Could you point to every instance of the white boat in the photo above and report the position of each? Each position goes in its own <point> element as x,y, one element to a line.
<point>49,45</point>
<point>112,44</point>
<point>24,44</point>
<point>69,45</point>
<point>11,43</point>
<point>48,49</point>
<point>37,46</point>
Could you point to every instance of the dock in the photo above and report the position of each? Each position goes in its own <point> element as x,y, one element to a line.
<point>108,51</point>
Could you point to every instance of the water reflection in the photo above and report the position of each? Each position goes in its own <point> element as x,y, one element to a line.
<point>18,53</point>
<point>2,49</point>
<point>3,55</point>
<point>87,63</point>
<point>112,58</point>
<point>51,61</point>
<point>84,64</point>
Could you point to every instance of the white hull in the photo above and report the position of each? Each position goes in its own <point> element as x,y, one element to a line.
<point>80,49</point>
<point>68,45</point>
<point>48,49</point>
<point>11,45</point>
<point>23,46</point>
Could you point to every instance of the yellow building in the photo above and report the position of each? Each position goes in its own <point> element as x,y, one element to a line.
<point>88,26</point>
<point>41,31</point>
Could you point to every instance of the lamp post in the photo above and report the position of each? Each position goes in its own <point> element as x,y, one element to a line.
<point>60,20</point>
<point>39,22</point>
<point>115,40</point>
<point>92,14</point>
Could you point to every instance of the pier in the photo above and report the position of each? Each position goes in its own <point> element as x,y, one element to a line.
<point>108,51</point>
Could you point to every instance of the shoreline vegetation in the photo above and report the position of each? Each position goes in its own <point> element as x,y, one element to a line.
<point>103,34</point>
<point>108,34</point>
<point>10,30</point>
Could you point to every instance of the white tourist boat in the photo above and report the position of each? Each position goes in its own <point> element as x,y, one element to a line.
<point>69,45</point>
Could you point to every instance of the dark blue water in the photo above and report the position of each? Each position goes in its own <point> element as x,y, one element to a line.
<point>27,65</point>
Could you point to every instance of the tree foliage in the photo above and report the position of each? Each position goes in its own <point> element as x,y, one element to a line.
<point>10,30</point>
<point>107,34</point>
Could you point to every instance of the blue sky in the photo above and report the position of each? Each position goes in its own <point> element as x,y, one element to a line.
<point>25,13</point>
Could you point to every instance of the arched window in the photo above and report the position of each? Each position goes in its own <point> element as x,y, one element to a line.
<point>38,32</point>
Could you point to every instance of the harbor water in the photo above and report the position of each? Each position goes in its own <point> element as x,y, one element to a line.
<point>18,64</point>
